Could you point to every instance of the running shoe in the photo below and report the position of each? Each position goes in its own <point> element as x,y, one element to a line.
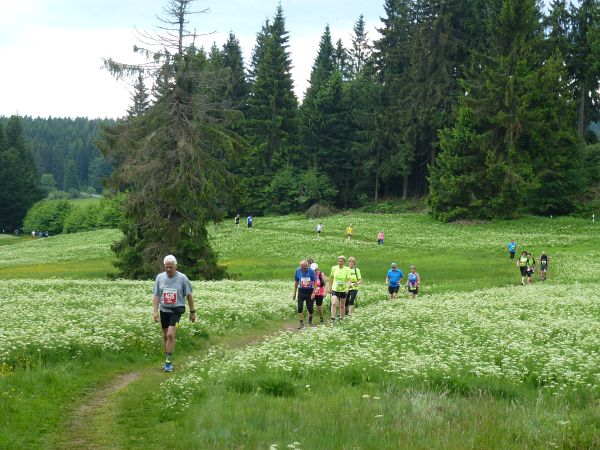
<point>168,367</point>
<point>301,325</point>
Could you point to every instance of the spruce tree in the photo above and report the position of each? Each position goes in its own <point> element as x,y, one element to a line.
<point>360,51</point>
<point>237,86</point>
<point>19,183</point>
<point>139,99</point>
<point>172,162</point>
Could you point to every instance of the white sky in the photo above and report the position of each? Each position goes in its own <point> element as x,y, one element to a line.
<point>52,50</point>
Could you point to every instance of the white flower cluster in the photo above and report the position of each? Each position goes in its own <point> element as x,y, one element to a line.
<point>63,318</point>
<point>542,334</point>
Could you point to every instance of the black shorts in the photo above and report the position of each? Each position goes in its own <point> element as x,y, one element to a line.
<point>351,297</point>
<point>523,271</point>
<point>414,291</point>
<point>305,295</point>
<point>171,319</point>
<point>512,255</point>
<point>393,289</point>
<point>338,294</point>
<point>543,267</point>
<point>319,300</point>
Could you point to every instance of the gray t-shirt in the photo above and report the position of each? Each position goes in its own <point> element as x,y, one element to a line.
<point>171,291</point>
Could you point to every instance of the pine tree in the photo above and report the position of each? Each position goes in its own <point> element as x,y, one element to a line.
<point>323,66</point>
<point>360,51</point>
<point>584,61</point>
<point>237,87</point>
<point>19,185</point>
<point>272,125</point>
<point>140,98</point>
<point>172,162</point>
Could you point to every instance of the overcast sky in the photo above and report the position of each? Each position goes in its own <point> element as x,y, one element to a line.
<point>52,50</point>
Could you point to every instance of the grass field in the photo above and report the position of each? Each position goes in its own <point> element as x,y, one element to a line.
<point>476,361</point>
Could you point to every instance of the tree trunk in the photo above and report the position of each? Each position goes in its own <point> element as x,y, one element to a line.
<point>405,187</point>
<point>581,119</point>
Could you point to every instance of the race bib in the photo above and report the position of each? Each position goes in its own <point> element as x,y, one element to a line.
<point>169,296</point>
<point>305,282</point>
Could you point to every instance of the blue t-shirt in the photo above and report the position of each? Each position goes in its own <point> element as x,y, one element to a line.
<point>306,280</point>
<point>394,277</point>
<point>512,247</point>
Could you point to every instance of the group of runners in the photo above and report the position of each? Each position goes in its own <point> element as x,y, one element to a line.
<point>311,286</point>
<point>527,264</point>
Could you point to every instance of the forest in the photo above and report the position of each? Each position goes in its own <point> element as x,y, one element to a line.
<point>484,108</point>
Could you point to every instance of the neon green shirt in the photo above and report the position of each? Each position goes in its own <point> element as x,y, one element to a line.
<point>354,277</point>
<point>340,276</point>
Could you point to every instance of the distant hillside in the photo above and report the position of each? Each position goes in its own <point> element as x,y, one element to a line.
<point>66,149</point>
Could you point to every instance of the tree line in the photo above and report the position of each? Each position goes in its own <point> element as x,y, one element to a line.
<point>483,106</point>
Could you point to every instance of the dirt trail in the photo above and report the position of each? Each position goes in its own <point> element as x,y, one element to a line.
<point>80,431</point>
<point>79,435</point>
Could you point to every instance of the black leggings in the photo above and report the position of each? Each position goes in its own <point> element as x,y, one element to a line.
<point>351,297</point>
<point>305,295</point>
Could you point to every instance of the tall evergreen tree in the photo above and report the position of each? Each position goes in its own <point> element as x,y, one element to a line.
<point>19,185</point>
<point>360,51</point>
<point>237,87</point>
<point>139,99</point>
<point>584,62</point>
<point>272,127</point>
<point>172,163</point>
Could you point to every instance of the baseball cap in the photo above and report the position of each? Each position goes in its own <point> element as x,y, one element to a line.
<point>314,266</point>
<point>393,264</point>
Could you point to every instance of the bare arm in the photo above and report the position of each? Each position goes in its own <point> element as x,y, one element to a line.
<point>155,307</point>
<point>295,289</point>
<point>192,309</point>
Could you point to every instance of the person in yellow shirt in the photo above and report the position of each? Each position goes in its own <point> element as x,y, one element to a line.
<point>339,283</point>
<point>355,281</point>
<point>349,231</point>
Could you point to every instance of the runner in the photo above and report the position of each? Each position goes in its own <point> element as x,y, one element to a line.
<point>530,267</point>
<point>413,282</point>
<point>393,280</point>
<point>544,260</point>
<point>171,288</point>
<point>349,231</point>
<point>355,281</point>
<point>321,285</point>
<point>522,263</point>
<point>319,229</point>
<point>512,248</point>
<point>339,282</point>
<point>304,285</point>
<point>380,238</point>
<point>249,221</point>
<point>237,221</point>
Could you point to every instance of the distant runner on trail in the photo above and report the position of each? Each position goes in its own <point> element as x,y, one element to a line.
<point>319,229</point>
<point>339,282</point>
<point>512,248</point>
<point>349,231</point>
<point>249,221</point>
<point>413,282</point>
<point>522,263</point>
<point>304,286</point>
<point>544,260</point>
<point>169,293</point>
<point>237,221</point>
<point>321,285</point>
<point>355,281</point>
<point>393,280</point>
<point>380,238</point>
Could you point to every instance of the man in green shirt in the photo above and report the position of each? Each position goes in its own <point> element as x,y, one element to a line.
<point>339,283</point>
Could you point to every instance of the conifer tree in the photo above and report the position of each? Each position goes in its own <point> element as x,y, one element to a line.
<point>172,161</point>
<point>237,87</point>
<point>19,185</point>
<point>360,51</point>
<point>139,99</point>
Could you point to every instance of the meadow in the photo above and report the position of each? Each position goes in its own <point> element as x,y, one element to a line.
<point>476,361</point>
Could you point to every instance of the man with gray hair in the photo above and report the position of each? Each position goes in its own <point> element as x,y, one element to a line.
<point>171,288</point>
